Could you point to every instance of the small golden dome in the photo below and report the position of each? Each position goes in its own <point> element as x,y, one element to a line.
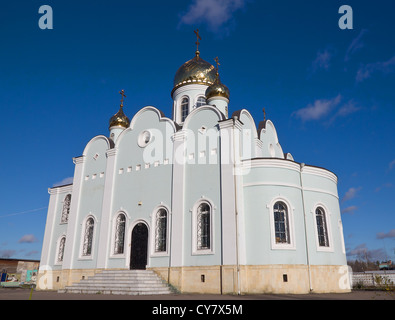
<point>194,71</point>
<point>217,89</point>
<point>119,119</point>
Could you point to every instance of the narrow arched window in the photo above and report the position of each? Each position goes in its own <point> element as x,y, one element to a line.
<point>88,237</point>
<point>281,222</point>
<point>161,230</point>
<point>62,244</point>
<point>203,227</point>
<point>184,109</point>
<point>201,101</point>
<point>322,229</point>
<point>66,209</point>
<point>120,234</point>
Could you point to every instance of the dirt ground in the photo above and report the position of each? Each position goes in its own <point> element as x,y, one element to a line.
<point>24,294</point>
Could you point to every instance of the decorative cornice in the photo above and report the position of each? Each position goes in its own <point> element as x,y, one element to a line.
<point>192,85</point>
<point>229,123</point>
<point>289,164</point>
<point>271,163</point>
<point>179,136</point>
<point>61,189</point>
<point>319,172</point>
<point>78,160</point>
<point>111,152</point>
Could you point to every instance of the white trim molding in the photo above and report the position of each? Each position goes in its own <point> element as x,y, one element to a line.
<point>291,225</point>
<point>82,238</point>
<point>114,218</point>
<point>194,216</point>
<point>165,253</point>
<point>328,214</point>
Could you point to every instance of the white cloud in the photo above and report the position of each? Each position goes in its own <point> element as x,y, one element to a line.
<point>345,110</point>
<point>28,238</point>
<point>65,181</point>
<point>384,186</point>
<point>356,45</point>
<point>392,164</point>
<point>362,252</point>
<point>349,210</point>
<point>383,235</point>
<point>215,13</point>
<point>31,253</point>
<point>366,71</point>
<point>322,61</point>
<point>351,194</point>
<point>7,253</point>
<point>318,110</point>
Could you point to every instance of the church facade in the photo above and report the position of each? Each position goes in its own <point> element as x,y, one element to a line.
<point>209,202</point>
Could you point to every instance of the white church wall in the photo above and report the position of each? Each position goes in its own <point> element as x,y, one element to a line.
<point>55,228</point>
<point>272,180</point>
<point>91,200</point>
<point>202,176</point>
<point>261,247</point>
<point>143,173</point>
<point>192,92</point>
<point>248,135</point>
<point>271,147</point>
<point>320,190</point>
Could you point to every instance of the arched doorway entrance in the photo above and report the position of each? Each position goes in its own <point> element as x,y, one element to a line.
<point>139,248</point>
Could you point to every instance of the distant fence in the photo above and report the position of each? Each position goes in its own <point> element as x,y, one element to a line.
<point>373,278</point>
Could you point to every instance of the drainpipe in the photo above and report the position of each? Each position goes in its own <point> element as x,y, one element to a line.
<point>236,208</point>
<point>305,226</point>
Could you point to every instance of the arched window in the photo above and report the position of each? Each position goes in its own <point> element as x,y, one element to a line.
<point>203,227</point>
<point>201,101</point>
<point>161,230</point>
<point>184,109</point>
<point>322,229</point>
<point>62,244</point>
<point>281,222</point>
<point>66,209</point>
<point>88,237</point>
<point>120,234</point>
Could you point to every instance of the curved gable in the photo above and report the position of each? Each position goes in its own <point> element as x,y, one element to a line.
<point>150,112</point>
<point>205,112</point>
<point>159,130</point>
<point>98,142</point>
<point>271,147</point>
<point>249,135</point>
<point>95,154</point>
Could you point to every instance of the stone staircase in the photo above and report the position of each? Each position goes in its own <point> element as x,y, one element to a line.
<point>128,282</point>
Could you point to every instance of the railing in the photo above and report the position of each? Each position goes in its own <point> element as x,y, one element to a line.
<point>373,279</point>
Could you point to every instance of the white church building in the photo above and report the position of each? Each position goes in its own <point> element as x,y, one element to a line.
<point>209,202</point>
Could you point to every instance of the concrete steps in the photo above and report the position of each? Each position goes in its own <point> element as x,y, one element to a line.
<point>128,282</point>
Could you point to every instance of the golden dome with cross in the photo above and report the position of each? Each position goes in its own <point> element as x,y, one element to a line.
<point>120,119</point>
<point>195,71</point>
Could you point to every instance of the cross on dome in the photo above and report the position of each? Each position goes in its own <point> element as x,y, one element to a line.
<point>198,37</point>
<point>122,93</point>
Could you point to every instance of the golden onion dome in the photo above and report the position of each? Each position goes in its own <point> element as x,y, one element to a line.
<point>194,71</point>
<point>119,119</point>
<point>217,89</point>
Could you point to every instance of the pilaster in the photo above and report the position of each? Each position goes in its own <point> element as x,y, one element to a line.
<point>71,244</point>
<point>105,226</point>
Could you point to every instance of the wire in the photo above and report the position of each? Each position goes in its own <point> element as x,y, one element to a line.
<point>23,212</point>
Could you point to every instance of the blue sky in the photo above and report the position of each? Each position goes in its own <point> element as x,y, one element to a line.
<point>329,92</point>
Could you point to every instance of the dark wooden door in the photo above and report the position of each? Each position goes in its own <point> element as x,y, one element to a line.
<point>138,256</point>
